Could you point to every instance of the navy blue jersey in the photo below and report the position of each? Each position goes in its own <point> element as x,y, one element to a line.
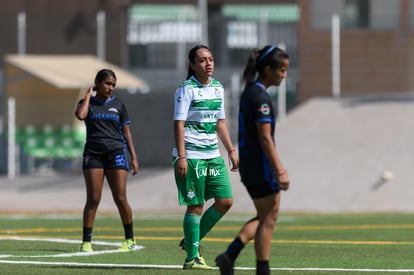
<point>104,125</point>
<point>255,106</point>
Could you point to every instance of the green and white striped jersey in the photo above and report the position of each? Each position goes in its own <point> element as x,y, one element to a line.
<point>200,106</point>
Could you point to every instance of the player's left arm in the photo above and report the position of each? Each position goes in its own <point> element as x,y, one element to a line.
<point>223,134</point>
<point>131,148</point>
<point>269,148</point>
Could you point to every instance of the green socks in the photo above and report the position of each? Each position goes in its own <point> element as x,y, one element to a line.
<point>196,228</point>
<point>209,219</point>
<point>191,225</point>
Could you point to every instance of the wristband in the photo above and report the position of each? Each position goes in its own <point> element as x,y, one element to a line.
<point>231,151</point>
<point>178,158</point>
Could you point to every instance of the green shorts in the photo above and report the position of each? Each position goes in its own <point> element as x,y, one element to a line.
<point>206,179</point>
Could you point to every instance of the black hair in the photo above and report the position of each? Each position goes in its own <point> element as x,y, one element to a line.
<point>191,58</point>
<point>259,59</point>
<point>104,73</point>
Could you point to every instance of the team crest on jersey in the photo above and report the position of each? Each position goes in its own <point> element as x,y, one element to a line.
<point>264,109</point>
<point>190,194</point>
<point>113,110</point>
<point>200,92</point>
<point>217,92</point>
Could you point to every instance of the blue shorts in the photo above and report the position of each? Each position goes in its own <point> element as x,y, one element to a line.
<point>112,160</point>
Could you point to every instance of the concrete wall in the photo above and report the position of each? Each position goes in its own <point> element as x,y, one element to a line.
<point>372,61</point>
<point>151,117</point>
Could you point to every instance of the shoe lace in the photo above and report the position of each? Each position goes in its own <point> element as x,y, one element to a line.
<point>198,261</point>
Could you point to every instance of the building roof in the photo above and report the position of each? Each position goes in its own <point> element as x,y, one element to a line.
<point>73,71</point>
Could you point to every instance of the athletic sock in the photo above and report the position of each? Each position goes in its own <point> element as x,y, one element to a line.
<point>191,226</point>
<point>129,231</point>
<point>209,219</point>
<point>234,249</point>
<point>87,234</point>
<point>262,268</point>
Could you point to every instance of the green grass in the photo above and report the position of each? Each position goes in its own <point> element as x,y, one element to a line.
<point>302,244</point>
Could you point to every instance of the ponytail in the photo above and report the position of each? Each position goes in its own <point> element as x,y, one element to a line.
<point>258,60</point>
<point>249,73</point>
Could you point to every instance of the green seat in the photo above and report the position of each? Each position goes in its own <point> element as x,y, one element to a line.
<point>47,130</point>
<point>65,147</point>
<point>19,135</point>
<point>39,144</point>
<point>69,143</point>
<point>30,144</point>
<point>49,145</point>
<point>65,131</point>
<point>29,130</point>
<point>80,134</point>
<point>48,142</point>
<point>29,139</point>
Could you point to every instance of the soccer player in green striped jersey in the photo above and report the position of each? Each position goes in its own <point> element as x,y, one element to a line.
<point>200,171</point>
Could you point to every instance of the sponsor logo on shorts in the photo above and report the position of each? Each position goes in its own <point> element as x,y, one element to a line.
<point>120,160</point>
<point>85,160</point>
<point>204,172</point>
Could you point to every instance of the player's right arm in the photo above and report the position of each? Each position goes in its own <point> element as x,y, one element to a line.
<point>181,165</point>
<point>82,110</point>
<point>182,103</point>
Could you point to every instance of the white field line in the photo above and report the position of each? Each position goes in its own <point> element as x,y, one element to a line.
<point>57,240</point>
<point>180,267</point>
<point>93,264</point>
<point>150,265</point>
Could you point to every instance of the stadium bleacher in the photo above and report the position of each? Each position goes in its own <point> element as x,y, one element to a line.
<point>52,143</point>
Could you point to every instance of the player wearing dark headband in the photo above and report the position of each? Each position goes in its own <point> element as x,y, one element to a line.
<point>260,167</point>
